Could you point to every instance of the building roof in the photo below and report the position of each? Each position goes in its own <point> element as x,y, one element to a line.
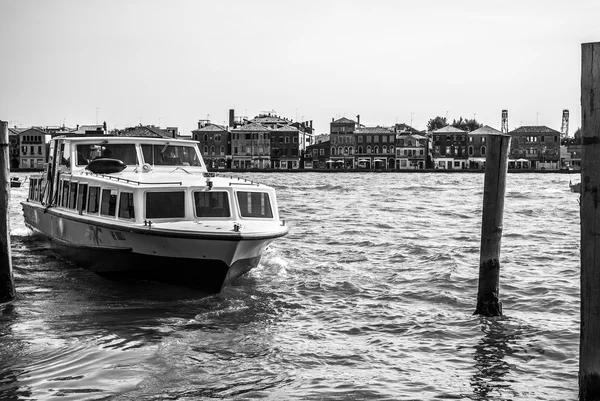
<point>211,128</point>
<point>534,129</point>
<point>448,129</point>
<point>145,131</point>
<point>252,127</point>
<point>269,119</point>
<point>404,128</point>
<point>82,129</point>
<point>344,120</point>
<point>373,130</point>
<point>35,130</point>
<point>286,128</point>
<point>485,130</point>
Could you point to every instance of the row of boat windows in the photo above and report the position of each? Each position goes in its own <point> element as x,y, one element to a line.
<point>168,155</point>
<point>94,199</point>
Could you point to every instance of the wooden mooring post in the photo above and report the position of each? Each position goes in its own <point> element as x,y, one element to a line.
<point>496,168</point>
<point>7,287</point>
<point>589,336</point>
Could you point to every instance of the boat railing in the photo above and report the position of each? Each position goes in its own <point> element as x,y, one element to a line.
<point>130,181</point>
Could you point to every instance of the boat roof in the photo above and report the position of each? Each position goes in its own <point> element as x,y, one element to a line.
<point>122,139</point>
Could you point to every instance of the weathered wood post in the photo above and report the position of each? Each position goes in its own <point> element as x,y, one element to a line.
<point>496,168</point>
<point>589,336</point>
<point>7,287</point>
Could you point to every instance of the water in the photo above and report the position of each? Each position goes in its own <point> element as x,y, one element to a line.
<point>370,297</point>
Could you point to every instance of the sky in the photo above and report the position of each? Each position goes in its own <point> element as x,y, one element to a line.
<point>172,63</point>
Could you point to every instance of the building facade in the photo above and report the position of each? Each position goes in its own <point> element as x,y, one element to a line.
<point>33,148</point>
<point>538,145</point>
<point>375,148</point>
<point>449,148</point>
<point>411,151</point>
<point>251,147</point>
<point>342,142</point>
<point>214,143</point>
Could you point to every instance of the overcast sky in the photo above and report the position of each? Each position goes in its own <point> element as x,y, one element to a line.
<point>171,63</point>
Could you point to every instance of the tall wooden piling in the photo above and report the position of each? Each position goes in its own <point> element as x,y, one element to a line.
<point>589,337</point>
<point>7,287</point>
<point>496,168</point>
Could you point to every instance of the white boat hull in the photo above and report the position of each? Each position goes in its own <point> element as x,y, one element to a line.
<point>211,261</point>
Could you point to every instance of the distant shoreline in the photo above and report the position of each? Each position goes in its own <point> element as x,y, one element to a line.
<point>443,171</point>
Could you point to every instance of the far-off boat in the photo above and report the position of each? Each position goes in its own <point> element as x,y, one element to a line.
<point>148,208</point>
<point>15,182</point>
<point>575,187</point>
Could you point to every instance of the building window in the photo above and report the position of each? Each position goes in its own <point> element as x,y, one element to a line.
<point>483,150</point>
<point>205,137</point>
<point>471,150</point>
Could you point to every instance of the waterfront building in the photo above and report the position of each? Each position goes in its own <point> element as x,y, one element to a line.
<point>33,148</point>
<point>375,148</point>
<point>317,156</point>
<point>477,146</point>
<point>538,145</point>
<point>214,143</point>
<point>285,147</point>
<point>570,156</point>
<point>411,150</point>
<point>449,148</point>
<point>251,146</point>
<point>14,147</point>
<point>342,140</point>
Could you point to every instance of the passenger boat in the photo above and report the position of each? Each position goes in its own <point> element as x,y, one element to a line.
<point>148,208</point>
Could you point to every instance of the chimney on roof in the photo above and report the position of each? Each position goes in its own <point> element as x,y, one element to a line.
<point>311,124</point>
<point>231,118</point>
<point>358,120</point>
<point>332,119</point>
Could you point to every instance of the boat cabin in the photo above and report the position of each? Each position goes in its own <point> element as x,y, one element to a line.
<point>143,181</point>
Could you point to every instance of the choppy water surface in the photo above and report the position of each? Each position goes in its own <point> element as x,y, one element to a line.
<point>370,296</point>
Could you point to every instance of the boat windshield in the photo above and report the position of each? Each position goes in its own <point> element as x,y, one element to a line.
<point>122,151</point>
<point>170,155</point>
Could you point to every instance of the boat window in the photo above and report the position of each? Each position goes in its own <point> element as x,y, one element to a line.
<point>121,151</point>
<point>170,155</point>
<point>64,186</point>
<point>254,204</point>
<point>126,210</point>
<point>109,202</point>
<point>32,188</point>
<point>93,200</point>
<point>72,195</point>
<point>211,204</point>
<point>165,204</point>
<point>65,154</point>
<point>81,198</point>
